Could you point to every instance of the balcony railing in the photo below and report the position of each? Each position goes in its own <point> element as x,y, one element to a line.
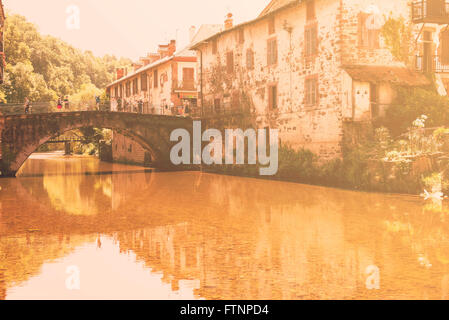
<point>430,11</point>
<point>186,85</point>
<point>431,64</point>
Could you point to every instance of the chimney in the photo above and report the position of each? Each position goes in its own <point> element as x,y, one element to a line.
<point>171,48</point>
<point>163,51</point>
<point>154,57</point>
<point>192,33</point>
<point>144,61</point>
<point>120,73</point>
<point>136,66</point>
<point>229,22</point>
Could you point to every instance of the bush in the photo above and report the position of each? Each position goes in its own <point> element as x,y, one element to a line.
<point>411,103</point>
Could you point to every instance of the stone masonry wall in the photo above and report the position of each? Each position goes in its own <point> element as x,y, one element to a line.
<point>126,150</point>
<point>319,127</point>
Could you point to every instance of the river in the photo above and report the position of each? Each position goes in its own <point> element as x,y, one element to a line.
<point>77,228</point>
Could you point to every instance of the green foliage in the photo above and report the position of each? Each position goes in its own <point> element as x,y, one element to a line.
<point>44,68</point>
<point>85,97</point>
<point>298,165</point>
<point>411,103</point>
<point>398,38</point>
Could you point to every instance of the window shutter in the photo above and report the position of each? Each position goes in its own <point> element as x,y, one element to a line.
<point>363,36</point>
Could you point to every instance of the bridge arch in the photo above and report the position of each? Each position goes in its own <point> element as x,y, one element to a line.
<point>21,135</point>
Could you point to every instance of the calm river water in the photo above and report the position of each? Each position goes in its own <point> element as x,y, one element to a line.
<point>77,228</point>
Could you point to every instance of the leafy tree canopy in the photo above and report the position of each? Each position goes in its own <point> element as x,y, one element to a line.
<point>44,67</point>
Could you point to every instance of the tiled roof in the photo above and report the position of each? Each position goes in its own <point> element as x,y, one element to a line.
<point>275,5</point>
<point>394,75</point>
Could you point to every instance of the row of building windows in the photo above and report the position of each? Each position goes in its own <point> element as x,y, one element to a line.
<point>311,93</point>
<point>132,86</point>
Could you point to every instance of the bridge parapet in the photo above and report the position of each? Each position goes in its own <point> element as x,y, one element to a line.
<point>21,135</point>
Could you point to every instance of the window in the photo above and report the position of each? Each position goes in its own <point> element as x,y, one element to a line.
<point>271,26</point>
<point>214,47</point>
<point>272,52</point>
<point>368,36</point>
<point>241,36</point>
<point>311,10</point>
<point>250,59</point>
<point>188,78</point>
<point>128,89</point>
<point>188,74</point>
<point>311,91</point>
<point>116,92</point>
<point>121,90</point>
<point>155,77</point>
<point>272,97</point>
<point>144,82</point>
<point>311,40</point>
<point>135,86</point>
<point>230,62</point>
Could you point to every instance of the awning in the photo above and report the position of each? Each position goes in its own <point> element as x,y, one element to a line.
<point>395,75</point>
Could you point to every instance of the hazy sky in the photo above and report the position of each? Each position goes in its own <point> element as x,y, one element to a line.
<point>130,28</point>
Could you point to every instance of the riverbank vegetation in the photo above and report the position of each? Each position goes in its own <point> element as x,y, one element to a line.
<point>406,152</point>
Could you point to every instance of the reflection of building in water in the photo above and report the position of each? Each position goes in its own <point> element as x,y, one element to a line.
<point>230,237</point>
<point>22,256</point>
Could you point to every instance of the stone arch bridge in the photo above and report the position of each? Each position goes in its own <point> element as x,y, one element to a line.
<point>21,135</point>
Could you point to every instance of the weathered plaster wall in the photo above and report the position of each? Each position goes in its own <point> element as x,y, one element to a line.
<point>318,127</point>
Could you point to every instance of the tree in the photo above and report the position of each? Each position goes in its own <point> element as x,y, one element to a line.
<point>44,67</point>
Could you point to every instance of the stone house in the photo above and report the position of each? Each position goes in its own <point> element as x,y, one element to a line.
<point>314,69</point>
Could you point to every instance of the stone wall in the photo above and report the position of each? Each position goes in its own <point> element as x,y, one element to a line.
<point>125,150</point>
<point>316,127</point>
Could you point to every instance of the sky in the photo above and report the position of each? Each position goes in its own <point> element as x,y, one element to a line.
<point>130,28</point>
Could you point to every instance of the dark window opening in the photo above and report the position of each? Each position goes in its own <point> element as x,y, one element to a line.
<point>155,77</point>
<point>144,82</point>
<point>273,97</point>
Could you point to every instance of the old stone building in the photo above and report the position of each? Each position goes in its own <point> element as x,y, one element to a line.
<point>313,68</point>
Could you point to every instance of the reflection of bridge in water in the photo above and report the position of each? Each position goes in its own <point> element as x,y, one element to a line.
<point>234,236</point>
<point>21,135</point>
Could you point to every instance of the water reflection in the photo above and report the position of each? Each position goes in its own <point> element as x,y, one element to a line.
<point>184,235</point>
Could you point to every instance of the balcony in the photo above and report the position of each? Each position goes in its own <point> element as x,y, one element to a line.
<point>430,11</point>
<point>186,85</point>
<point>431,64</point>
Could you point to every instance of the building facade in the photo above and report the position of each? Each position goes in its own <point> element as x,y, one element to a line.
<point>313,68</point>
<point>161,83</point>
